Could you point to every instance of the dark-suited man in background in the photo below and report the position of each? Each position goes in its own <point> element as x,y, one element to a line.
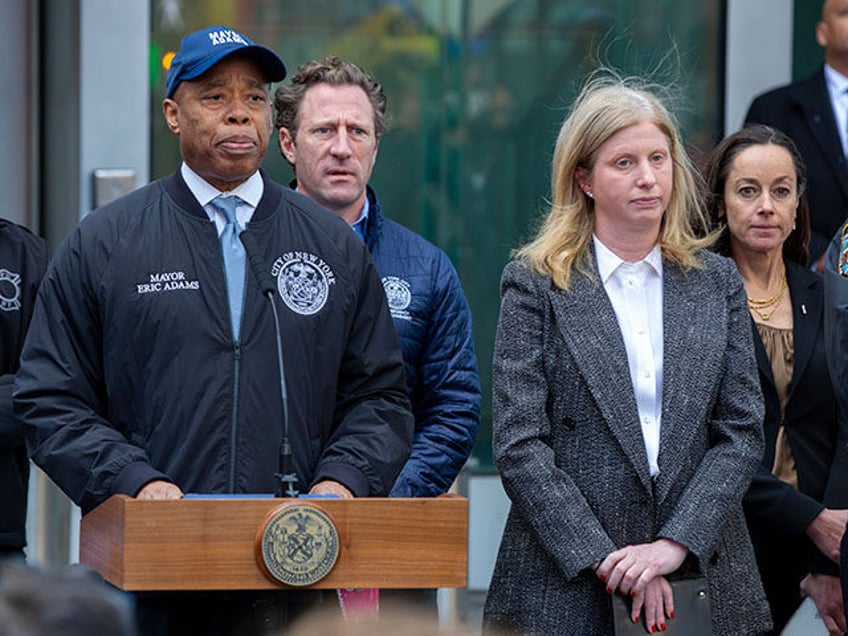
<point>814,113</point>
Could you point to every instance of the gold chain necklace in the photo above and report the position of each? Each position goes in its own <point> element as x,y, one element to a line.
<point>760,307</point>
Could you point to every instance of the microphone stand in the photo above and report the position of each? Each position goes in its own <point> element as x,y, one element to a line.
<point>286,479</point>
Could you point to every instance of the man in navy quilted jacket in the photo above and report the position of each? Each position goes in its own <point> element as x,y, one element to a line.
<point>330,119</point>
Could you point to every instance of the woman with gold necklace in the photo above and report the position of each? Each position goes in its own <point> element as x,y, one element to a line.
<point>796,504</point>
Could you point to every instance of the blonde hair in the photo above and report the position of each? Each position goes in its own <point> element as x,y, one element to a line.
<point>606,104</point>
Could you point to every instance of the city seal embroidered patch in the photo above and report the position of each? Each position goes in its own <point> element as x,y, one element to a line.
<point>398,296</point>
<point>303,281</point>
<point>298,545</point>
<point>10,290</point>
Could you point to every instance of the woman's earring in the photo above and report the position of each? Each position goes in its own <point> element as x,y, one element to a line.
<point>589,194</point>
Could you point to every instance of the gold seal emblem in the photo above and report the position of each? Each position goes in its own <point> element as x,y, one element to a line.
<point>298,544</point>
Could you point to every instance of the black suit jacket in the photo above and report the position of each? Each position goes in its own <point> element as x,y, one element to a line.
<point>802,110</point>
<point>811,423</point>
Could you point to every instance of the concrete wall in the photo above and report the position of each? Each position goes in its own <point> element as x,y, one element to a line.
<point>93,101</point>
<point>115,95</point>
<point>18,123</point>
<point>759,53</point>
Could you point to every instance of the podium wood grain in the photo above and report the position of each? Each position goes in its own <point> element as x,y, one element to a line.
<point>210,544</point>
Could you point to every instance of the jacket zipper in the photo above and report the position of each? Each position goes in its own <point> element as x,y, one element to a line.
<point>236,367</point>
<point>234,420</point>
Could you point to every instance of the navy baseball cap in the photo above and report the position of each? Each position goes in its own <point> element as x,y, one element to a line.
<point>201,50</point>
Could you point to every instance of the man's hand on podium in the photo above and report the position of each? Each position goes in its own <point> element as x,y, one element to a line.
<point>159,490</point>
<point>331,488</point>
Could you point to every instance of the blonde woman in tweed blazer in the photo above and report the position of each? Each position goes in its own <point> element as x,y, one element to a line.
<point>609,496</point>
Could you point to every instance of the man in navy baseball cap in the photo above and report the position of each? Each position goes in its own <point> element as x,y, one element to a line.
<point>188,356</point>
<point>218,104</point>
<point>201,50</point>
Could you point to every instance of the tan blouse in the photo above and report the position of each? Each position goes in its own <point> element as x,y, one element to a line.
<point>780,348</point>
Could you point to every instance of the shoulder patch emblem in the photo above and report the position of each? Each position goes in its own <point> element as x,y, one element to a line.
<point>303,281</point>
<point>10,290</point>
<point>398,295</point>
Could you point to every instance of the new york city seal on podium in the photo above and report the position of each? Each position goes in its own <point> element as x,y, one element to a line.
<point>298,544</point>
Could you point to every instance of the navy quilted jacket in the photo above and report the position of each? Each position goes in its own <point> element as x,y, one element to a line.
<point>433,320</point>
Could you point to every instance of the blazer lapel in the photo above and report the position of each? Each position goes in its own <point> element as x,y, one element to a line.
<point>688,325</point>
<point>587,322</point>
<point>763,362</point>
<point>814,100</point>
<point>806,318</point>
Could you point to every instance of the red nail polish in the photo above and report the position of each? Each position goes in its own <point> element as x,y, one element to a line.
<point>671,614</point>
<point>662,627</point>
<point>637,620</point>
<point>602,577</point>
<point>653,629</point>
<point>609,590</point>
<point>632,594</point>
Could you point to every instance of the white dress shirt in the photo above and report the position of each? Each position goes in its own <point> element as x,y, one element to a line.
<point>250,193</point>
<point>837,88</point>
<point>635,291</point>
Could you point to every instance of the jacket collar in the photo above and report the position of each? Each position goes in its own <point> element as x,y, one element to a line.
<point>177,189</point>
<point>374,226</point>
<point>813,100</point>
<point>806,296</point>
<point>374,223</point>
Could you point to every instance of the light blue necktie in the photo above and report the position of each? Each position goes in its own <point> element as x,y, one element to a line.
<point>234,259</point>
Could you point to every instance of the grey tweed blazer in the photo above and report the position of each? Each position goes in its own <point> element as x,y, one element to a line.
<point>568,445</point>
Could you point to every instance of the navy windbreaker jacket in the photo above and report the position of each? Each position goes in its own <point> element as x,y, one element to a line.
<point>130,372</point>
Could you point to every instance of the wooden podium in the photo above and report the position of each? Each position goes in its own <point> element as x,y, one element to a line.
<point>211,544</point>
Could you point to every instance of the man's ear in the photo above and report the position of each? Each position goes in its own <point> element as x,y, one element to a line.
<point>376,152</point>
<point>821,34</point>
<point>287,145</point>
<point>171,110</point>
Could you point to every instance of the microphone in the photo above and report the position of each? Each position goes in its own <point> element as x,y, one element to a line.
<point>286,479</point>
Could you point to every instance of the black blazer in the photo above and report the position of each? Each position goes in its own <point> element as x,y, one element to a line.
<point>811,423</point>
<point>802,110</point>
